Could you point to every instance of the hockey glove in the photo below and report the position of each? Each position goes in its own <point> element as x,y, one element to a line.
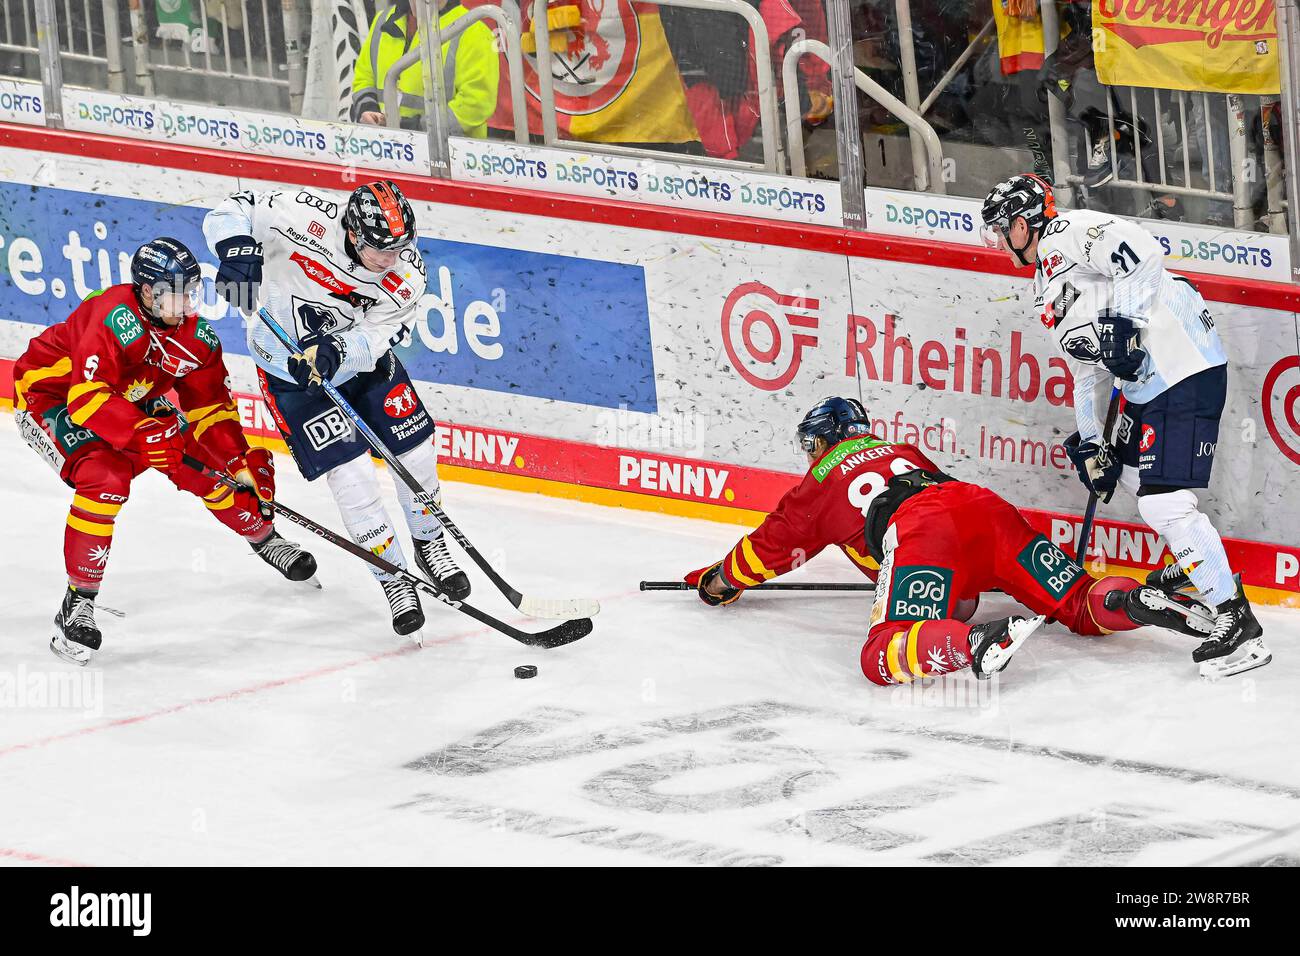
<point>240,272</point>
<point>256,472</point>
<point>320,358</point>
<point>1098,466</point>
<point>160,442</point>
<point>713,575</point>
<point>1121,352</point>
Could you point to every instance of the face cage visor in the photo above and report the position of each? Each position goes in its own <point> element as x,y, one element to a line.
<point>173,302</point>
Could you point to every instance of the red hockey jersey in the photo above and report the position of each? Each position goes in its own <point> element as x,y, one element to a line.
<point>829,507</point>
<point>105,359</point>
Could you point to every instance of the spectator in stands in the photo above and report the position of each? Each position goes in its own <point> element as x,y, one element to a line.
<point>714,55</point>
<point>470,70</point>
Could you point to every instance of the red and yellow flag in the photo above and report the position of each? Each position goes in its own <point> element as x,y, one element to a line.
<point>1219,46</point>
<point>615,78</point>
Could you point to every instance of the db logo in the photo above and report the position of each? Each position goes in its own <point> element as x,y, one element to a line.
<point>400,401</point>
<point>763,338</point>
<point>1281,403</point>
<point>1148,438</point>
<point>327,428</point>
<point>317,230</point>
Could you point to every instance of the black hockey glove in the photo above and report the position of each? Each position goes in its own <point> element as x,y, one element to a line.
<point>705,576</point>
<point>1098,466</point>
<point>1120,351</point>
<point>320,358</point>
<point>240,272</point>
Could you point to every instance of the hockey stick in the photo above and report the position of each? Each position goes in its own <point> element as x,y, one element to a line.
<point>810,586</point>
<point>1112,412</point>
<point>558,636</point>
<point>549,608</point>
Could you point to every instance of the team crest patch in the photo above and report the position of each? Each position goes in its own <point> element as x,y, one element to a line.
<point>124,324</point>
<point>919,593</point>
<point>1049,566</point>
<point>137,390</point>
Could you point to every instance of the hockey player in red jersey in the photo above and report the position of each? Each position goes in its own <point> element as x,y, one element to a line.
<point>940,543</point>
<point>89,398</point>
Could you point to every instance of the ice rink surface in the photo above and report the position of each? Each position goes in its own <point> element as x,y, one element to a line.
<point>232,718</point>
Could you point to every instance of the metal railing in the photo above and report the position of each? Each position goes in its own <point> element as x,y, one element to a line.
<point>1226,172</point>
<point>234,59</point>
<point>927,174</point>
<point>83,37</point>
<point>773,154</point>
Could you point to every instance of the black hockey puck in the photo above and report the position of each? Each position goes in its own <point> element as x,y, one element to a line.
<point>525,671</point>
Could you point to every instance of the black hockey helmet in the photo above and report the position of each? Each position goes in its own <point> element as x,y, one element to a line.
<point>833,419</point>
<point>1027,196</point>
<point>379,217</point>
<point>168,269</point>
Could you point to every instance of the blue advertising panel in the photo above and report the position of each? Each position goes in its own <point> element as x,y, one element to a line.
<point>502,320</point>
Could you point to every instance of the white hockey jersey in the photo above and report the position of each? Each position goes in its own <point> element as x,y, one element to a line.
<point>1089,262</point>
<point>310,284</point>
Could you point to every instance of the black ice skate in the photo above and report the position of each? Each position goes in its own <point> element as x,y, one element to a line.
<point>992,644</point>
<point>435,561</point>
<point>288,558</point>
<point>404,603</point>
<point>1236,644</point>
<point>77,636</point>
<point>1172,610</point>
<point>1170,578</point>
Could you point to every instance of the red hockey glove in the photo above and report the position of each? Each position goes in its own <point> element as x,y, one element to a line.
<point>713,587</point>
<point>256,471</point>
<point>160,442</point>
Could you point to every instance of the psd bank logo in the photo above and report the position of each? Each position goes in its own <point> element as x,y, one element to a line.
<point>765,333</point>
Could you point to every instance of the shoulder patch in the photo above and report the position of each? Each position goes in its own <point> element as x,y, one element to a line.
<point>203,332</point>
<point>124,324</point>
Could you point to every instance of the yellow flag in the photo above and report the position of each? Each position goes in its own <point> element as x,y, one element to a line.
<point>1220,46</point>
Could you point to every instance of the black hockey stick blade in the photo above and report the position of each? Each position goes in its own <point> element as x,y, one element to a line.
<point>564,633</point>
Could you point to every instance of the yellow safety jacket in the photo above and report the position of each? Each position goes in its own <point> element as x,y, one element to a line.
<point>471,71</point>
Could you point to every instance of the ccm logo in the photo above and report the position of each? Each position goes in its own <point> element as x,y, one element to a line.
<point>327,428</point>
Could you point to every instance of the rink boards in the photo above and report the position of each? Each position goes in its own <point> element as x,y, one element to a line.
<point>639,357</point>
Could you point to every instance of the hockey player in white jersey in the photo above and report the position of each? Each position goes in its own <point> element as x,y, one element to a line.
<point>1101,288</point>
<point>346,282</point>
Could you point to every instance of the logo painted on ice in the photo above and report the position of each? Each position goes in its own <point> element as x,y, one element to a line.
<point>400,401</point>
<point>770,346</point>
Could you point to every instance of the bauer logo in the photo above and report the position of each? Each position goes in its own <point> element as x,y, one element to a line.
<point>1049,566</point>
<point>765,334</point>
<point>327,428</point>
<point>919,593</point>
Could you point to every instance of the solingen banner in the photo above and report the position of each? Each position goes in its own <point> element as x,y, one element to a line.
<point>1218,46</point>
